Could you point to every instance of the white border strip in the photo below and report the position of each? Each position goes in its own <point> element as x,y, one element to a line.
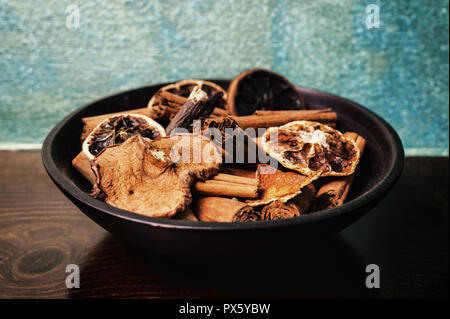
<point>20,146</point>
<point>408,151</point>
<point>426,152</point>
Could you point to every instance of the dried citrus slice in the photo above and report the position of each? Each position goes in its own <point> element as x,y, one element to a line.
<point>259,89</point>
<point>184,89</point>
<point>279,184</point>
<point>310,148</point>
<point>117,129</point>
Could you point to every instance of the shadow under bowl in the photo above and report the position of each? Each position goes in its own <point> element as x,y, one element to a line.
<point>378,170</point>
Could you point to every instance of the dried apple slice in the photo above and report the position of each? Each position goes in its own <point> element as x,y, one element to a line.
<point>140,176</point>
<point>117,129</point>
<point>135,177</point>
<point>310,148</point>
<point>259,89</point>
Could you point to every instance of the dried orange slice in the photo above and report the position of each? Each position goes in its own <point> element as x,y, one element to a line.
<point>279,184</point>
<point>117,129</point>
<point>310,148</point>
<point>184,89</point>
<point>259,89</point>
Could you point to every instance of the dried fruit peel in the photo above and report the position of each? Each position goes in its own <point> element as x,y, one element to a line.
<point>311,148</point>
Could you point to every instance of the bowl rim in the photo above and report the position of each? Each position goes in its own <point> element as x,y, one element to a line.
<point>70,189</point>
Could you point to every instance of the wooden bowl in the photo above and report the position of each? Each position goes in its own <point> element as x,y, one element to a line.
<point>379,169</point>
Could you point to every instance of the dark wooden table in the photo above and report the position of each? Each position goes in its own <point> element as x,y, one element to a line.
<point>41,232</point>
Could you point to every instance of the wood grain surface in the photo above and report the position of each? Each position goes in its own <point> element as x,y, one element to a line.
<point>41,232</point>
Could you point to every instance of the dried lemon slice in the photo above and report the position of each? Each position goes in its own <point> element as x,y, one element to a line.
<point>310,148</point>
<point>117,129</point>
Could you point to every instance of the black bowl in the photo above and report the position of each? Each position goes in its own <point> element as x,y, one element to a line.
<point>379,169</point>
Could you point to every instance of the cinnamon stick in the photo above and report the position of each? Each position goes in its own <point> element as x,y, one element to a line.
<point>304,113</point>
<point>221,124</point>
<point>265,120</point>
<point>305,199</point>
<point>211,103</point>
<point>238,172</point>
<point>220,209</point>
<point>82,164</point>
<point>187,214</point>
<point>172,98</point>
<point>230,178</point>
<point>219,112</point>
<point>334,193</point>
<point>189,111</point>
<point>235,142</point>
<point>213,187</point>
<point>297,206</point>
<point>279,210</point>
<point>238,142</point>
<point>176,102</point>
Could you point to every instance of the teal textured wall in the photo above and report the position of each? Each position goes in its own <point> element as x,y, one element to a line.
<point>399,70</point>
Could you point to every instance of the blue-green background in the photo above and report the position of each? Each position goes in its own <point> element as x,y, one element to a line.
<point>400,70</point>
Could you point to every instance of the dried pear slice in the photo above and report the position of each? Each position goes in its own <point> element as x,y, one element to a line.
<point>310,148</point>
<point>259,89</point>
<point>117,129</point>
